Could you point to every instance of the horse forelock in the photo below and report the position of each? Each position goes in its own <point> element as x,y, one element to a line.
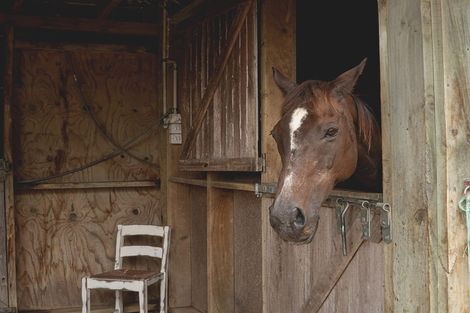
<point>310,91</point>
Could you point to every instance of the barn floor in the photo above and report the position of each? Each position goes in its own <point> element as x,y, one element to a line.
<point>132,308</point>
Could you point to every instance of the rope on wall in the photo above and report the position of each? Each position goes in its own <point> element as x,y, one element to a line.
<point>97,123</point>
<point>129,144</point>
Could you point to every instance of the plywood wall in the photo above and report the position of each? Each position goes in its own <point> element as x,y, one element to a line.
<point>53,131</point>
<point>63,235</point>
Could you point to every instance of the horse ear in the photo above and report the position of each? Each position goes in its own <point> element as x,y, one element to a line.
<point>348,79</point>
<point>285,84</point>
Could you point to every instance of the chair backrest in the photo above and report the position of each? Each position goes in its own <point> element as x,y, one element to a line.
<point>134,250</point>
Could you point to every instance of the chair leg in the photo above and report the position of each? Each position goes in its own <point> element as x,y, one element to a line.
<point>119,305</point>
<point>85,296</point>
<point>163,296</point>
<point>143,299</point>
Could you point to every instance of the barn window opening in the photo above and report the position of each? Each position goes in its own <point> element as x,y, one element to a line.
<point>334,36</point>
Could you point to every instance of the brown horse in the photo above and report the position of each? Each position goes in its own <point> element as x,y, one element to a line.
<point>326,135</point>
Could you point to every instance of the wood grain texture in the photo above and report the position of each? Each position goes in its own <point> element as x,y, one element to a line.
<point>247,253</point>
<point>199,248</point>
<point>353,293</point>
<point>229,131</point>
<point>8,156</point>
<point>220,245</point>
<point>456,103</point>
<point>179,219</point>
<point>408,257</point>
<point>60,135</point>
<point>65,235</point>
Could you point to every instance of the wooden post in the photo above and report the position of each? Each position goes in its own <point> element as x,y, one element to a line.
<point>220,260</point>
<point>448,68</point>
<point>424,123</point>
<point>176,211</point>
<point>8,184</point>
<point>277,35</point>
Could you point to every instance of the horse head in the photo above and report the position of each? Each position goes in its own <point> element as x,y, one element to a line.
<point>324,132</point>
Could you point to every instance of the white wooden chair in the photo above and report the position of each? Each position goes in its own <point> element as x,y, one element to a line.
<point>133,280</point>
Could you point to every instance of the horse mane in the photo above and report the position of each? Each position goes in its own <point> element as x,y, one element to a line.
<point>366,122</point>
<point>305,92</point>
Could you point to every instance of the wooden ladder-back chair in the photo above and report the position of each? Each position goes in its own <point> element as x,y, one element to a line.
<point>133,280</point>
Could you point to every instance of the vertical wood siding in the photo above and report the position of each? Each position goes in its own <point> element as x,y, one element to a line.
<point>229,136</point>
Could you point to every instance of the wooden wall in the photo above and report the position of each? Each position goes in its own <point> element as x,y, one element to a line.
<point>64,234</point>
<point>425,79</point>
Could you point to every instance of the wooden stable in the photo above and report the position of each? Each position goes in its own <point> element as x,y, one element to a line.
<point>86,92</point>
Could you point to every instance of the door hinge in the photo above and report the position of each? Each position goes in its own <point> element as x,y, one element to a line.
<point>265,189</point>
<point>385,221</point>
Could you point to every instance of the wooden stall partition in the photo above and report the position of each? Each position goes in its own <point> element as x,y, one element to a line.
<point>220,245</point>
<point>308,278</point>
<point>425,79</point>
<point>90,114</point>
<point>198,196</point>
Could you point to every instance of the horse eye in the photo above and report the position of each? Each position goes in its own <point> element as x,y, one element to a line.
<point>331,132</point>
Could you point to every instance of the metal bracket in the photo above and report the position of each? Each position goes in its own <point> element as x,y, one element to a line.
<point>264,188</point>
<point>385,220</point>
<point>341,210</point>
<point>367,211</point>
<point>366,219</point>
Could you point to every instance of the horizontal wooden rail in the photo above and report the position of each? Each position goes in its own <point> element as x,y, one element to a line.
<point>91,185</point>
<point>82,25</point>
<point>250,186</point>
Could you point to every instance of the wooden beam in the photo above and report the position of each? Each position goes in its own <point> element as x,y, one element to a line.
<point>193,14</point>
<point>450,22</point>
<point>277,48</point>
<point>107,8</point>
<point>91,185</point>
<point>7,148</point>
<point>82,25</point>
<point>220,259</point>
<point>237,25</point>
<point>187,11</point>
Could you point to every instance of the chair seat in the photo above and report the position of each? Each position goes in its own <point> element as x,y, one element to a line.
<point>127,275</point>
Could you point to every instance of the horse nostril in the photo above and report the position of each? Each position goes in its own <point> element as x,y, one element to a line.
<point>299,218</point>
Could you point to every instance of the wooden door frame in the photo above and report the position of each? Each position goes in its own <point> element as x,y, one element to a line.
<point>7,196</point>
<point>422,53</point>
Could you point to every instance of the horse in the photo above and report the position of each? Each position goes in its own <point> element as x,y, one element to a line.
<point>326,135</point>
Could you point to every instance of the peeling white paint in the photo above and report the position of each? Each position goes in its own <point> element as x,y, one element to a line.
<point>297,118</point>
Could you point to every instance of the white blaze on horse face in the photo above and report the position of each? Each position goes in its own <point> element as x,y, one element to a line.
<point>298,116</point>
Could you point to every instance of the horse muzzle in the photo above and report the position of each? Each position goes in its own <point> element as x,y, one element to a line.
<point>293,225</point>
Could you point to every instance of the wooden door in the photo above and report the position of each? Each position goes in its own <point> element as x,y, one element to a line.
<point>219,92</point>
<point>315,277</point>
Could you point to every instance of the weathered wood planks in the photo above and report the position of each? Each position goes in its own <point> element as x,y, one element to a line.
<point>7,155</point>
<point>227,116</point>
